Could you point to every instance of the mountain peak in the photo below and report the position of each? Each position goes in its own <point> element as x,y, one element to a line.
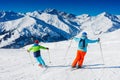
<point>105,14</point>
<point>34,13</point>
<point>108,15</point>
<point>83,16</point>
<point>51,11</point>
<point>59,13</point>
<point>9,15</point>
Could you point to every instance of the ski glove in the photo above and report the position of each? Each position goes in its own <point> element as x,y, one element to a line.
<point>28,51</point>
<point>98,39</point>
<point>47,48</point>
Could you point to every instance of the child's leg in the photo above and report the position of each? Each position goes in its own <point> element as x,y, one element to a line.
<point>37,58</point>
<point>41,61</point>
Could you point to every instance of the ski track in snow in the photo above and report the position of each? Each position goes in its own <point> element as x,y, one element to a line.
<point>15,64</point>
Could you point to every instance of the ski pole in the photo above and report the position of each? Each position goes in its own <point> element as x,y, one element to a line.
<point>49,57</point>
<point>31,59</point>
<point>33,70</point>
<point>67,50</point>
<point>101,51</point>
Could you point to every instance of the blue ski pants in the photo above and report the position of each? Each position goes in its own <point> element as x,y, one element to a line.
<point>40,60</point>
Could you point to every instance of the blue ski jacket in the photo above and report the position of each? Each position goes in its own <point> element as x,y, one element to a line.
<point>86,43</point>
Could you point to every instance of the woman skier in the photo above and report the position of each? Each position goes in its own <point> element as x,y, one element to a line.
<point>36,50</point>
<point>82,49</point>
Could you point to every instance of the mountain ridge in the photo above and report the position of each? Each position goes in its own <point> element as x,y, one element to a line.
<point>50,25</point>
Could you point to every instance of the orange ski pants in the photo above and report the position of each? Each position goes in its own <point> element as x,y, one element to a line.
<point>79,58</point>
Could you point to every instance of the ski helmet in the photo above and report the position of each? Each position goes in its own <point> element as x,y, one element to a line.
<point>36,41</point>
<point>84,34</point>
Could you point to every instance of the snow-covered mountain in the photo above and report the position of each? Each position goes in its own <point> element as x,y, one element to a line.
<point>101,23</point>
<point>50,25</point>
<point>9,15</point>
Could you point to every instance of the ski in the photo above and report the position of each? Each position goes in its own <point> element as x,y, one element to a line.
<point>72,69</point>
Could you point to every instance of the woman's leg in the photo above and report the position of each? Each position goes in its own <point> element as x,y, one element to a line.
<point>82,55</point>
<point>76,59</point>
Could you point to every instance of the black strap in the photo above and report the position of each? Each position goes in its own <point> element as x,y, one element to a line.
<point>83,42</point>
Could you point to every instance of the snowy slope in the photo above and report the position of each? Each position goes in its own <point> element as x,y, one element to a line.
<point>16,64</point>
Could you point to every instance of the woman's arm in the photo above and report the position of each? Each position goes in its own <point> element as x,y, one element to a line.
<point>76,39</point>
<point>92,41</point>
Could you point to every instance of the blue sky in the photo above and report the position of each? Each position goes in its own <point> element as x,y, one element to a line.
<point>77,7</point>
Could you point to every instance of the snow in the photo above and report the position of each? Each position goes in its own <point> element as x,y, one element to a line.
<point>82,18</point>
<point>17,64</point>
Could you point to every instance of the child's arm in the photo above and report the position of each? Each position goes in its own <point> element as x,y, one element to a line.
<point>29,49</point>
<point>42,47</point>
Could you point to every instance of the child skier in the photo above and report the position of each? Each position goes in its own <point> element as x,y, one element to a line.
<point>36,50</point>
<point>82,49</point>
